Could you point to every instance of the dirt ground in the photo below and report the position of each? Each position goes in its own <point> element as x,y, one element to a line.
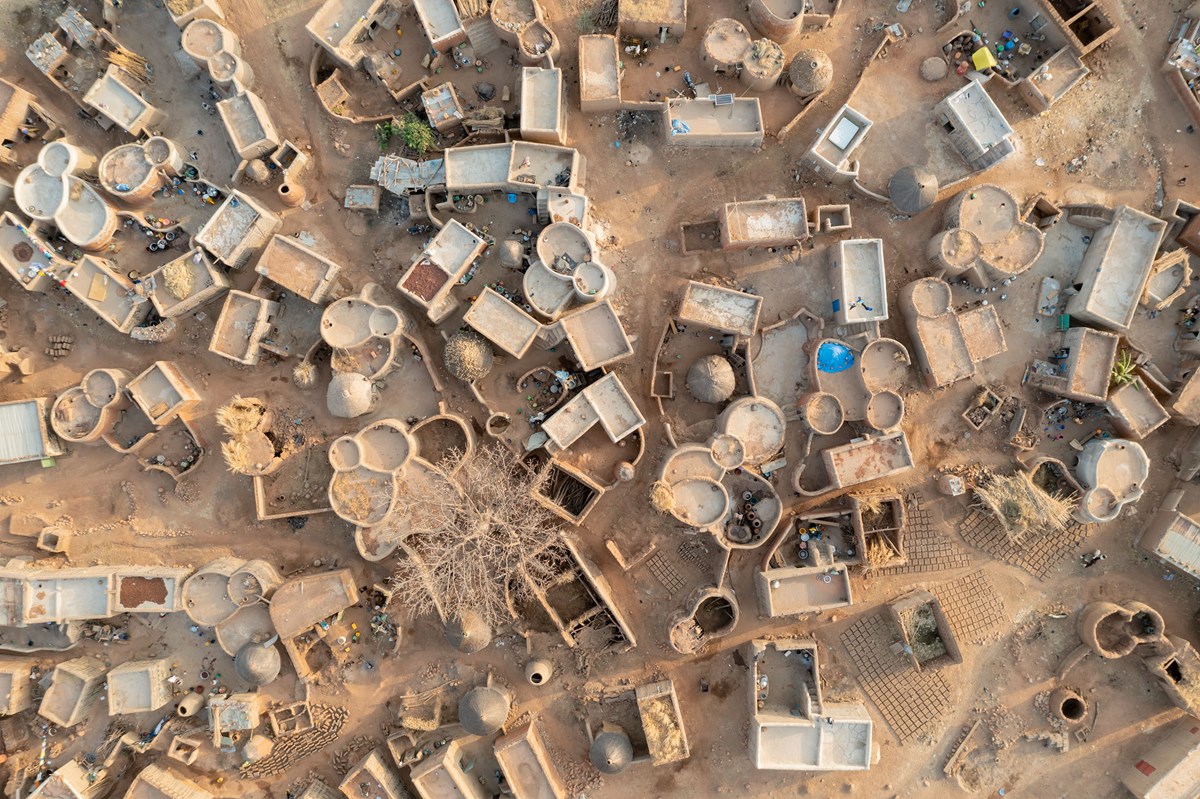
<point>1139,144</point>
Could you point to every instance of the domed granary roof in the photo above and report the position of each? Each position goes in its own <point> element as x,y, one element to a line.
<point>810,72</point>
<point>611,751</point>
<point>258,747</point>
<point>468,633</point>
<point>468,356</point>
<point>350,394</point>
<point>257,664</point>
<point>483,710</point>
<point>913,189</point>
<point>711,379</point>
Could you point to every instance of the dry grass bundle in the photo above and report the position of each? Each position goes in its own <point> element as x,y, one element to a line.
<point>661,726</point>
<point>131,62</point>
<point>878,555</point>
<point>304,375</point>
<point>871,504</point>
<point>249,449</point>
<point>179,279</point>
<point>238,458</point>
<point>241,415</point>
<point>662,498</point>
<point>251,454</point>
<point>1021,505</point>
<point>361,497</point>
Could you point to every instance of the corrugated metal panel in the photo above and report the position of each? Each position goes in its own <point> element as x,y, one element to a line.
<point>20,432</point>
<point>1182,548</point>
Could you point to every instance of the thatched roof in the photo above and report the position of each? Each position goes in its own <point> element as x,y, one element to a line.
<point>611,751</point>
<point>468,633</point>
<point>468,356</point>
<point>913,189</point>
<point>241,415</point>
<point>350,394</point>
<point>711,379</point>
<point>483,710</point>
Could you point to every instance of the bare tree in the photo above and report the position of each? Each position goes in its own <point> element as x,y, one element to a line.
<point>472,539</point>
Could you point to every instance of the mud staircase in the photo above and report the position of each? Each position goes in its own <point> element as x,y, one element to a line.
<point>482,35</point>
<point>808,702</point>
<point>1092,216</point>
<point>993,156</point>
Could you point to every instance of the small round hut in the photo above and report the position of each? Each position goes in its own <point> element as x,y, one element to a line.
<point>810,73</point>
<point>468,356</point>
<point>711,379</point>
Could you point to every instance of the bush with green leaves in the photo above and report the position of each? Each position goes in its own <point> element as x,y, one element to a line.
<point>412,130</point>
<point>1124,371</point>
<point>384,131</point>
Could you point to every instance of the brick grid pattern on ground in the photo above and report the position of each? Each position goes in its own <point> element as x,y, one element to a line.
<point>695,552</point>
<point>910,701</point>
<point>1038,554</point>
<point>973,607</point>
<point>664,571</point>
<point>928,549</point>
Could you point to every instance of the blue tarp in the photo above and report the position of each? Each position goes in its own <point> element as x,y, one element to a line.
<point>834,356</point>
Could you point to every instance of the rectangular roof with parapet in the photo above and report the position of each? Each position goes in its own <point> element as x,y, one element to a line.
<point>338,26</point>
<point>596,335</point>
<point>240,226</point>
<point>108,292</point>
<point>502,323</point>
<point>764,223</point>
<point>977,112</point>
<point>723,309</point>
<point>14,106</point>
<point>517,166</point>
<point>599,73</point>
<point>543,114</point>
<point>437,269</point>
<point>1115,268</point>
<point>298,268</point>
<point>441,22</point>
<point>114,97</point>
<point>249,125</point>
<point>605,402</point>
<point>643,17</point>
